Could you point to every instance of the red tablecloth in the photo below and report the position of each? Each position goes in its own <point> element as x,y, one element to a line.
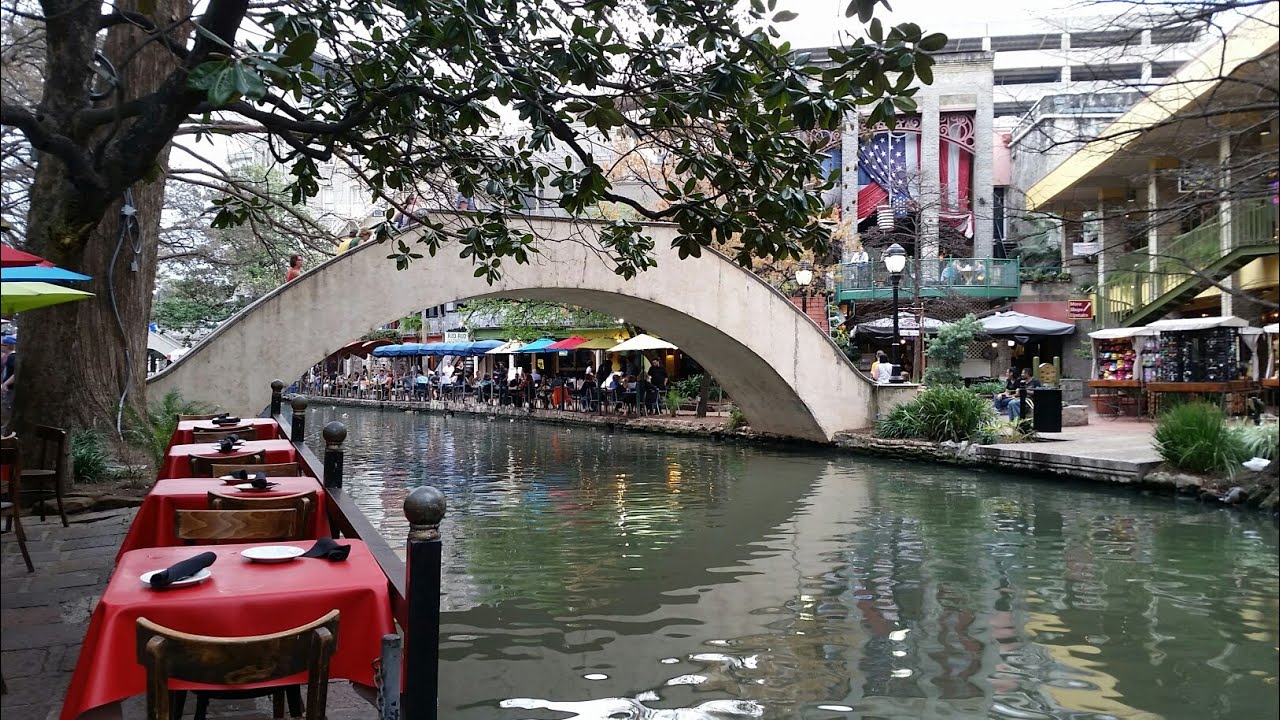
<point>242,598</point>
<point>153,525</point>
<point>263,429</point>
<point>177,461</point>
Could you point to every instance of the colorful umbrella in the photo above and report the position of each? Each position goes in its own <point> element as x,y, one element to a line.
<point>13,257</point>
<point>38,273</point>
<point>18,297</point>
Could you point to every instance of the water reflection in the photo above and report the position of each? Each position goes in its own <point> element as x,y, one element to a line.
<point>608,575</point>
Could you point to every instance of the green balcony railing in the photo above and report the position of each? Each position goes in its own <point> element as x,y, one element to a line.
<point>1135,280</point>
<point>973,277</point>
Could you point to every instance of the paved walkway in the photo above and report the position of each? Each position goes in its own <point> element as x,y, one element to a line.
<point>1116,451</point>
<point>44,615</point>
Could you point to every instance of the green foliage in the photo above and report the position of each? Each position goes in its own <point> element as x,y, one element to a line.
<point>736,418</point>
<point>1005,431</point>
<point>1259,440</point>
<point>152,430</point>
<point>946,351</point>
<point>673,401</point>
<point>987,389</point>
<point>939,413</point>
<point>846,345</point>
<point>1038,245</point>
<point>1195,437</point>
<point>1044,275</point>
<point>90,456</point>
<point>411,323</point>
<point>381,334</point>
<point>691,387</point>
<point>529,320</point>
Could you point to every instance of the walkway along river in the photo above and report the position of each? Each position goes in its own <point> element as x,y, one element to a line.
<point>599,575</point>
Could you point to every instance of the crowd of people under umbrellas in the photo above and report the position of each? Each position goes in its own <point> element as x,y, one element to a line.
<point>628,388</point>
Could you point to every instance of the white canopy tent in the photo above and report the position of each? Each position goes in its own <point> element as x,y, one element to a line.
<point>1121,333</point>
<point>1248,334</point>
<point>1272,330</point>
<point>642,342</point>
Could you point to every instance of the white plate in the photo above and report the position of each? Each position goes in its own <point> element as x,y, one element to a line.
<point>272,553</point>
<point>196,579</point>
<point>248,487</point>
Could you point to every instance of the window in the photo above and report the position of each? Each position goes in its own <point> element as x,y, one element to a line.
<point>1027,76</point>
<point>1011,43</point>
<point>1111,38</point>
<point>1171,36</point>
<point>969,44</point>
<point>1164,69</point>
<point>999,226</point>
<point>1104,71</point>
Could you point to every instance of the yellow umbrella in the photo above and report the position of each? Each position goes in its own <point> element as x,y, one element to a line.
<point>16,297</point>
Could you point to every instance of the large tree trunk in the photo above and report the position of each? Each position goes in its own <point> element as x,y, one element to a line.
<point>704,394</point>
<point>76,361</point>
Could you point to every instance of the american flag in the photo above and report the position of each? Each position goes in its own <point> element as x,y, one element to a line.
<point>885,160</point>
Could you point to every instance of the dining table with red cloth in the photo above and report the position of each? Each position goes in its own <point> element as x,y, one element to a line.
<point>177,459</point>
<point>263,429</point>
<point>153,526</point>
<point>241,598</point>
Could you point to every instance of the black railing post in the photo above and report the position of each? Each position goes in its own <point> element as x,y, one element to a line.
<point>1022,402</point>
<point>277,396</point>
<point>424,508</point>
<point>334,434</point>
<point>299,431</point>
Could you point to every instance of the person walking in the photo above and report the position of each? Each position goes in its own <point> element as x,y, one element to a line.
<point>295,268</point>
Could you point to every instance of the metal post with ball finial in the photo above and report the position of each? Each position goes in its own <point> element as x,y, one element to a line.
<point>424,508</point>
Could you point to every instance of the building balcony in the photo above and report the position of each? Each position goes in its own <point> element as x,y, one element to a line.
<point>965,277</point>
<point>1141,287</point>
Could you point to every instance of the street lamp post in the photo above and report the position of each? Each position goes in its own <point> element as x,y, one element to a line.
<point>895,261</point>
<point>804,276</point>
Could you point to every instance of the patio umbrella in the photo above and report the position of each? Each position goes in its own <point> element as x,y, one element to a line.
<point>908,326</point>
<point>1016,323</point>
<point>13,257</point>
<point>537,346</point>
<point>602,343</point>
<point>40,273</point>
<point>567,344</point>
<point>642,342</point>
<point>22,296</point>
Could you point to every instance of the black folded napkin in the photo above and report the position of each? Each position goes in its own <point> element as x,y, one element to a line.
<point>228,443</point>
<point>259,482</point>
<point>181,570</point>
<point>225,420</point>
<point>240,474</point>
<point>326,548</point>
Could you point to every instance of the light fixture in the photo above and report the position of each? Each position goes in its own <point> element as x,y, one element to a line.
<point>895,258</point>
<point>1012,343</point>
<point>994,343</point>
<point>1264,132</point>
<point>804,275</point>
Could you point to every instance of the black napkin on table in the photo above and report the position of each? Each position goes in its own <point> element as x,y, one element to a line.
<point>259,482</point>
<point>228,443</point>
<point>326,548</point>
<point>183,569</point>
<point>226,420</point>
<point>240,474</point>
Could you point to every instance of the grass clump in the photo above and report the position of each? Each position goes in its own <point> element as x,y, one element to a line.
<point>151,430</point>
<point>1195,437</point>
<point>90,457</point>
<point>941,413</point>
<point>1259,440</point>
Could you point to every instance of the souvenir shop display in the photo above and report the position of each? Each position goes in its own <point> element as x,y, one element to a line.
<point>1211,357</point>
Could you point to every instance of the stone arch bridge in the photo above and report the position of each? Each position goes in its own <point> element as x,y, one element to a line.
<point>786,375</point>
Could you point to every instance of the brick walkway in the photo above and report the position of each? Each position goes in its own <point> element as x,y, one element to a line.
<point>44,615</point>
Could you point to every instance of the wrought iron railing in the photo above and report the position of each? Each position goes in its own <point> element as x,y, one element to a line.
<point>1135,280</point>
<point>962,276</point>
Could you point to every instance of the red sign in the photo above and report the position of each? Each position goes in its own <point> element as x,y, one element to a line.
<point>1080,309</point>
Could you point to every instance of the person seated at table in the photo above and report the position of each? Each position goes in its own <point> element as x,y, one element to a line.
<point>1029,382</point>
<point>1002,398</point>
<point>951,273</point>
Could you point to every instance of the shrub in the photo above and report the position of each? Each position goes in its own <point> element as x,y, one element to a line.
<point>1195,437</point>
<point>691,386</point>
<point>90,456</point>
<point>736,418</point>
<point>152,430</point>
<point>1259,440</point>
<point>946,351</point>
<point>987,388</point>
<point>939,414</point>
<point>673,401</point>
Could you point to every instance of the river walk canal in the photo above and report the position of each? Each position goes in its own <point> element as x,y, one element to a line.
<point>591,574</point>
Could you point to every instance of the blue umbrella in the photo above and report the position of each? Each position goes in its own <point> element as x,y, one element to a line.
<point>38,273</point>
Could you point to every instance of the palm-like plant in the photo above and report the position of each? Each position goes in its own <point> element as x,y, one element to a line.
<point>152,429</point>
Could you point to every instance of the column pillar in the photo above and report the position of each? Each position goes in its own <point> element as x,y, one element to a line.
<point>849,178</point>
<point>982,190</point>
<point>1224,219</point>
<point>930,184</point>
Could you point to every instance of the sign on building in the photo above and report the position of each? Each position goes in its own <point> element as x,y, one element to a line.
<point>1081,249</point>
<point>457,336</point>
<point>1080,309</point>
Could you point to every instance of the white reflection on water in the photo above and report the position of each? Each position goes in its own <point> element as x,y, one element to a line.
<point>628,709</point>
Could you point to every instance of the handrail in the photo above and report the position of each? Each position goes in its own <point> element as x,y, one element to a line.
<point>953,273</point>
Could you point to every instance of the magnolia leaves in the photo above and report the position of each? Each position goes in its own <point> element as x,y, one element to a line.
<point>229,77</point>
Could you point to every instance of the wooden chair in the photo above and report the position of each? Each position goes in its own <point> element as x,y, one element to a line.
<point>289,469</point>
<point>202,466</point>
<point>199,436</point>
<point>236,525</point>
<point>52,468</point>
<point>304,503</point>
<point>171,655</point>
<point>11,460</point>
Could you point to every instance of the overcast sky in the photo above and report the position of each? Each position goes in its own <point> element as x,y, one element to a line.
<point>821,21</point>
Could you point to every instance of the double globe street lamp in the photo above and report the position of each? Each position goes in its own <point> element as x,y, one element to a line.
<point>895,261</point>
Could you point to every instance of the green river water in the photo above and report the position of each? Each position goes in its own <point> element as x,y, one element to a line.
<point>611,575</point>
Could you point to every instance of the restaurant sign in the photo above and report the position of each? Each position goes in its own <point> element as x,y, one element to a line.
<point>457,336</point>
<point>1080,309</point>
